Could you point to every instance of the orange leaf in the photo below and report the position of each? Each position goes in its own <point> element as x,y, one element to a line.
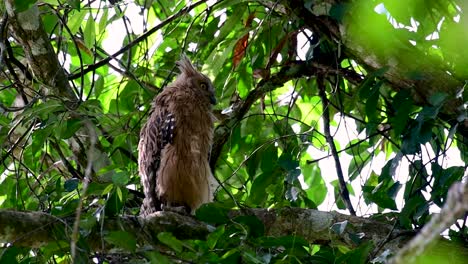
<point>239,50</point>
<point>242,43</point>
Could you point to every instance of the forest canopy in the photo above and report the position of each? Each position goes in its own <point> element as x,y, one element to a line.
<point>341,132</point>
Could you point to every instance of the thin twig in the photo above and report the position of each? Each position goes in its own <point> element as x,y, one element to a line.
<point>148,33</point>
<point>88,171</point>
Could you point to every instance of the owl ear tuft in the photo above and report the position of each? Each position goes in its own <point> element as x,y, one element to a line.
<point>185,66</point>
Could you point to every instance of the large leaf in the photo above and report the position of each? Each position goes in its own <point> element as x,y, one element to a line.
<point>23,5</point>
<point>122,239</point>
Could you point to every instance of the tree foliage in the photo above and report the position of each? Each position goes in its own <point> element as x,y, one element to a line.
<point>375,87</point>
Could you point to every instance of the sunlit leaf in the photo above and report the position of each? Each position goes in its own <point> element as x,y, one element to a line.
<point>75,20</point>
<point>213,237</point>
<point>90,32</point>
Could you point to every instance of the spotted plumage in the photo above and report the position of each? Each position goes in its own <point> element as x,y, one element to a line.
<point>175,142</point>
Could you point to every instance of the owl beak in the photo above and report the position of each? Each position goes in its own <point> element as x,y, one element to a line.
<point>213,99</point>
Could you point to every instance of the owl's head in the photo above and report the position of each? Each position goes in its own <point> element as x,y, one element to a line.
<point>196,79</point>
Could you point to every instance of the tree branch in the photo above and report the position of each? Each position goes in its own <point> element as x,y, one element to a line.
<point>455,206</point>
<point>294,70</point>
<point>141,38</point>
<point>408,67</point>
<point>28,29</point>
<point>36,229</point>
<point>344,193</point>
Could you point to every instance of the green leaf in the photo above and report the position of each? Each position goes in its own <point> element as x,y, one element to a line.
<point>128,95</point>
<point>88,222</point>
<point>39,138</point>
<point>317,190</point>
<point>371,103</point>
<point>23,5</point>
<point>98,86</point>
<point>443,179</point>
<point>283,127</point>
<point>103,21</point>
<point>90,31</point>
<point>358,255</point>
<point>75,4</point>
<point>232,256</point>
<point>244,81</point>
<point>411,206</point>
<point>10,254</point>
<point>212,213</point>
<point>120,178</point>
<point>287,162</point>
<point>156,257</point>
<point>269,158</point>
<point>122,239</point>
<point>336,192</point>
<point>71,184</point>
<point>75,20</point>
<point>357,147</point>
<point>214,236</point>
<point>359,150</point>
<point>116,201</point>
<point>252,164</point>
<point>253,224</point>
<point>355,167</point>
<point>308,4</point>
<point>106,190</point>
<point>169,240</point>
<point>258,192</point>
<point>393,190</point>
<point>369,82</point>
<point>69,128</point>
<point>46,110</point>
<point>381,190</point>
<point>402,104</point>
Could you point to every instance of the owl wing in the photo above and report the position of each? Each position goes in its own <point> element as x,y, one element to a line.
<point>156,134</point>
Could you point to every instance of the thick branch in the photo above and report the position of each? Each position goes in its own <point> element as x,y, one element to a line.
<point>456,205</point>
<point>36,229</point>
<point>28,29</point>
<point>408,67</point>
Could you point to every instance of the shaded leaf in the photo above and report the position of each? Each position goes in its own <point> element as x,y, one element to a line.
<point>71,184</point>
<point>171,241</point>
<point>212,213</point>
<point>122,239</point>
<point>23,5</point>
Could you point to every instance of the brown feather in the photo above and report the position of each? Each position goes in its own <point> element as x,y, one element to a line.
<point>175,143</point>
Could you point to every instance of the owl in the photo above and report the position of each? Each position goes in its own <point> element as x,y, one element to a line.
<point>175,144</point>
